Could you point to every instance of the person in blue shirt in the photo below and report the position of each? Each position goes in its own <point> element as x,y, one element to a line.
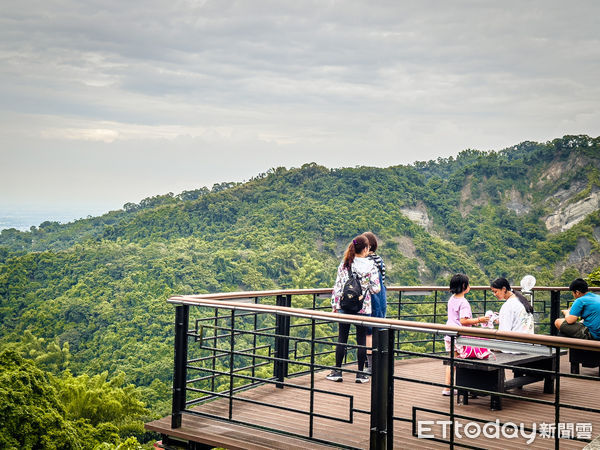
<point>586,306</point>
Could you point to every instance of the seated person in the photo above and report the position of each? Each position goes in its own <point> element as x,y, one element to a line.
<point>516,314</point>
<point>586,306</point>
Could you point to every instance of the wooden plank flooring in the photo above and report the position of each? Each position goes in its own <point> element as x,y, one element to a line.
<point>408,396</point>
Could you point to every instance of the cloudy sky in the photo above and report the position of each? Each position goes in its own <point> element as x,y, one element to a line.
<point>104,102</point>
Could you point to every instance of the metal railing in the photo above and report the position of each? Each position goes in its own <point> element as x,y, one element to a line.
<point>228,343</point>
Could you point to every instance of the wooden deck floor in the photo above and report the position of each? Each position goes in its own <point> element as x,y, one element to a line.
<point>408,395</point>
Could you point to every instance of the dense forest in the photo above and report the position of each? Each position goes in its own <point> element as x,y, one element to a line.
<point>83,305</point>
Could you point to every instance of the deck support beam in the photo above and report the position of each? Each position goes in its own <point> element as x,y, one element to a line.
<point>282,341</point>
<point>554,311</point>
<point>182,314</point>
<point>382,390</point>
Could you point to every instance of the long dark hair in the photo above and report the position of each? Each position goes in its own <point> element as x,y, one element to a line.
<point>358,244</point>
<point>501,282</point>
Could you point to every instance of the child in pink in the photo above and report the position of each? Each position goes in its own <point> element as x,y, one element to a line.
<point>459,314</point>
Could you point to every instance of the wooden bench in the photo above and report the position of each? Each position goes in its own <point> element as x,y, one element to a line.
<point>587,358</point>
<point>471,373</point>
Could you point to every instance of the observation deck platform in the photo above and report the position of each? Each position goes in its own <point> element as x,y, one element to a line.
<point>413,401</point>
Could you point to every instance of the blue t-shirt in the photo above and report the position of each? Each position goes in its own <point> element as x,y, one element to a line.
<point>588,308</point>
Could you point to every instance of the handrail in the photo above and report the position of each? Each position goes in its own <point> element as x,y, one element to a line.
<point>554,341</point>
<point>311,291</point>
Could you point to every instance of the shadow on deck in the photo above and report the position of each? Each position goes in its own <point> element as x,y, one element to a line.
<point>413,402</point>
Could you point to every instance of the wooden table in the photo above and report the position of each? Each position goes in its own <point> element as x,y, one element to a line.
<point>470,373</point>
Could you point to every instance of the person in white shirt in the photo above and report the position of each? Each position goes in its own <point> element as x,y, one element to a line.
<point>516,314</point>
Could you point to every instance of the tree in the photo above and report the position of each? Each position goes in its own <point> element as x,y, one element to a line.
<point>39,410</point>
<point>103,401</point>
<point>593,278</point>
<point>31,415</point>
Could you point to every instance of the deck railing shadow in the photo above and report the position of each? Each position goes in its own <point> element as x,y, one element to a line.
<point>228,343</point>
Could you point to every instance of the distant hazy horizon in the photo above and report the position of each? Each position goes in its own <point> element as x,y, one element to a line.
<point>24,217</point>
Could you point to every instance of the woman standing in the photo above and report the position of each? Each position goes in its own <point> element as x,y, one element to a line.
<point>355,261</point>
<point>516,314</point>
<point>378,300</point>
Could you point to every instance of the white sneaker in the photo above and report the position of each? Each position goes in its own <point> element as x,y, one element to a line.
<point>335,375</point>
<point>362,378</point>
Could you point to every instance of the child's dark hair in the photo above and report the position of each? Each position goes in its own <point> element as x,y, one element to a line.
<point>372,240</point>
<point>459,283</point>
<point>358,244</point>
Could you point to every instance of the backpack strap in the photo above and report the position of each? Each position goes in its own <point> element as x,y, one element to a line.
<point>352,272</point>
<point>364,293</point>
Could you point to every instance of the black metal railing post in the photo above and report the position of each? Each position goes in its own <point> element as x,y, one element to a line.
<point>556,368</point>
<point>399,305</point>
<point>254,340</point>
<point>435,301</point>
<point>312,378</point>
<point>282,346</point>
<point>390,389</point>
<point>382,390</point>
<point>554,311</point>
<point>182,314</point>
<point>399,316</point>
<point>231,362</point>
<point>214,352</point>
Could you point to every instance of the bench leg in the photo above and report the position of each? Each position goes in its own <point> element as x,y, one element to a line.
<point>549,384</point>
<point>496,401</point>
<point>477,379</point>
<point>575,367</point>
<point>463,396</point>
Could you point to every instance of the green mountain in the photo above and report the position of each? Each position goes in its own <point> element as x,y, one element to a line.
<point>100,284</point>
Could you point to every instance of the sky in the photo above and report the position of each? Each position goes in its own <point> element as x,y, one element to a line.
<point>104,102</point>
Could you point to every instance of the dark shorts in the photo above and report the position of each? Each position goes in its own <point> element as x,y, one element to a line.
<point>574,330</point>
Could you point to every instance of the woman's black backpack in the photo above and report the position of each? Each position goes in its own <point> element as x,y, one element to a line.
<point>352,294</point>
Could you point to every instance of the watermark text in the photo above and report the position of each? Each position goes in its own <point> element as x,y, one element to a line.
<point>427,429</point>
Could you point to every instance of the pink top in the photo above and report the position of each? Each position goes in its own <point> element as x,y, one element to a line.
<point>458,308</point>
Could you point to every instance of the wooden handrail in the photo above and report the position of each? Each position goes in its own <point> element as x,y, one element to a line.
<point>216,301</point>
<point>318,291</point>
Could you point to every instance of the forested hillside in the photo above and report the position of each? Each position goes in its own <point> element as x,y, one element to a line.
<point>92,293</point>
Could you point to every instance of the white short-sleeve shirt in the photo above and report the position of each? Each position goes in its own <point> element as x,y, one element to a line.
<point>513,317</point>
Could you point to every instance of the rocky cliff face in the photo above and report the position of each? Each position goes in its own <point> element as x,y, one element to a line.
<point>567,208</point>
<point>517,203</point>
<point>419,215</point>
<point>584,257</point>
<point>467,202</point>
<point>569,214</point>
